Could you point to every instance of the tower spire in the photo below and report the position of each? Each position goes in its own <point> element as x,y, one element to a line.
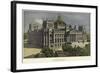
<point>59,18</point>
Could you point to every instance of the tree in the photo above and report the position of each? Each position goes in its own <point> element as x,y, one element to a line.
<point>87,49</point>
<point>67,47</point>
<point>76,51</point>
<point>25,36</point>
<point>88,37</point>
<point>48,52</point>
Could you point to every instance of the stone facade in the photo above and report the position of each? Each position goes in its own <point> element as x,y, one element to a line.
<point>54,34</point>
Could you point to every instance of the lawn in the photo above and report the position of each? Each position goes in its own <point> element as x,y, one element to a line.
<point>31,51</point>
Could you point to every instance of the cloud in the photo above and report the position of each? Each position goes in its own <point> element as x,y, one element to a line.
<point>73,18</point>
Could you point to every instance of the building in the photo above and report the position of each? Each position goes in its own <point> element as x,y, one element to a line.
<point>54,34</point>
<point>35,37</point>
<point>75,36</point>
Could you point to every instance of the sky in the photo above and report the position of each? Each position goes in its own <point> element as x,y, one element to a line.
<point>73,18</point>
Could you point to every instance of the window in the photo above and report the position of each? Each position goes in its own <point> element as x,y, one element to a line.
<point>51,45</point>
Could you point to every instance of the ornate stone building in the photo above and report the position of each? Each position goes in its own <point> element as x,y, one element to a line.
<point>54,34</point>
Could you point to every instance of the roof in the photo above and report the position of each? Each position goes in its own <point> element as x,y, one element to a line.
<point>75,32</point>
